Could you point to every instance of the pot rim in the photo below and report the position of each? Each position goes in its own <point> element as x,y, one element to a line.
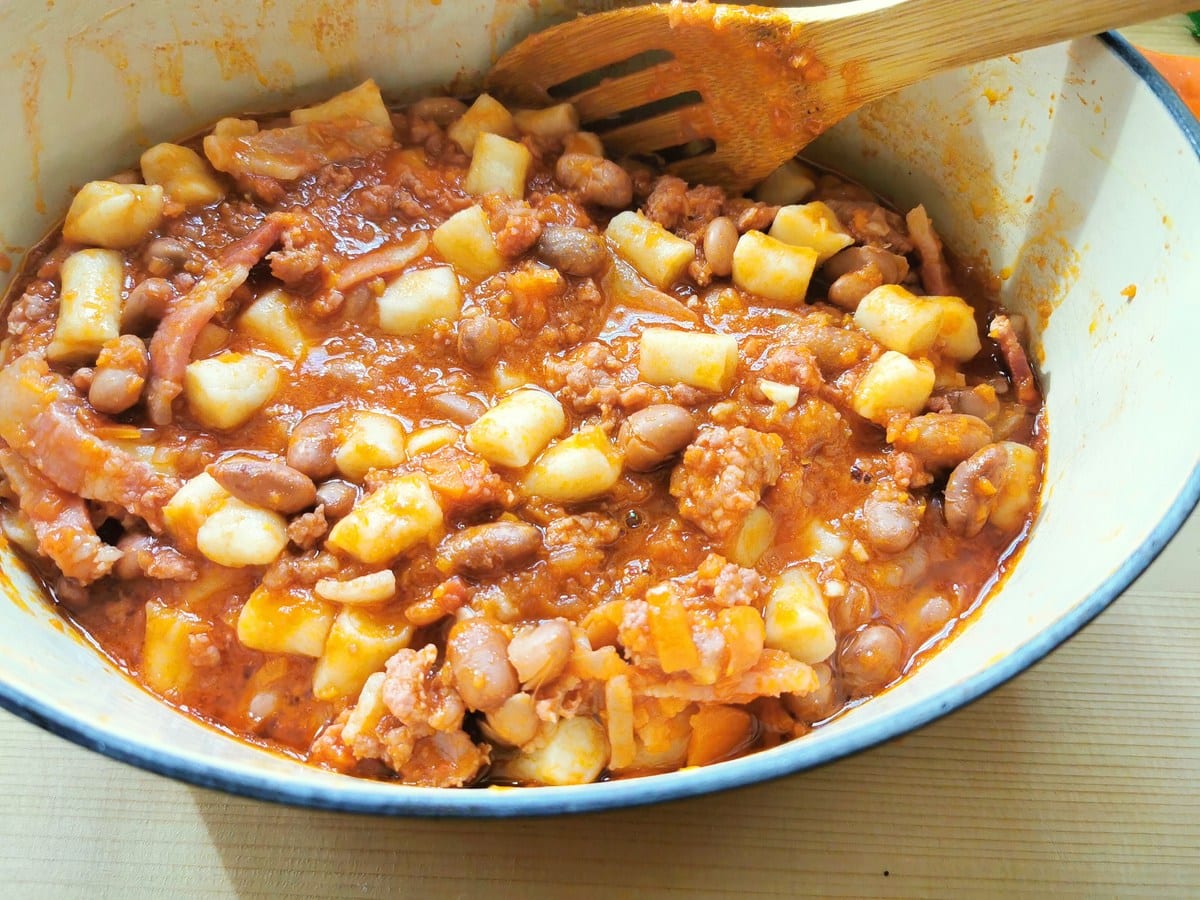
<point>357,796</point>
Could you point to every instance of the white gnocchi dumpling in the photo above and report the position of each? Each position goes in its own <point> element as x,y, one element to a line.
<point>112,215</point>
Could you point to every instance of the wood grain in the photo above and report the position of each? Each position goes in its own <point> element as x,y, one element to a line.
<point>1079,778</point>
<point>1169,35</point>
<point>811,67</point>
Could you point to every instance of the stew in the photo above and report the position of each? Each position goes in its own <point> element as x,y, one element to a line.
<point>431,445</point>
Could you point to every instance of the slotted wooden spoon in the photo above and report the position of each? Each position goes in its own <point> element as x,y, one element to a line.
<point>754,85</point>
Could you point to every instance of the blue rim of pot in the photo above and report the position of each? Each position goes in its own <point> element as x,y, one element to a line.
<point>352,796</point>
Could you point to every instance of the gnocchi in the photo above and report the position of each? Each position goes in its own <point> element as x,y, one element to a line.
<point>429,444</point>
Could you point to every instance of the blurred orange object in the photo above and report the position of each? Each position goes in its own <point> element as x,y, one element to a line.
<point>1181,72</point>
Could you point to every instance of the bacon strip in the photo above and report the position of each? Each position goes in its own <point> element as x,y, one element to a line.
<point>151,557</point>
<point>870,224</point>
<point>171,346</point>
<point>1004,333</point>
<point>289,153</point>
<point>935,272</point>
<point>40,419</point>
<point>382,261</point>
<point>60,521</point>
<point>775,673</point>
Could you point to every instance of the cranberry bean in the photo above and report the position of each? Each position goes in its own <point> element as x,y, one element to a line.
<point>595,179</point>
<point>574,251</point>
<point>477,652</point>
<point>890,521</point>
<point>871,658</point>
<point>265,482</point>
<point>461,409</point>
<point>820,703</point>
<point>478,340</point>
<point>337,496</point>
<point>166,255</point>
<point>515,722</point>
<point>145,305</point>
<point>312,445</point>
<point>997,484</point>
<point>539,654</point>
<point>851,610</point>
<point>720,239</point>
<point>120,375</point>
<point>488,549</point>
<point>979,401</point>
<point>942,440</point>
<point>82,379</point>
<point>651,436</point>
<point>442,110</point>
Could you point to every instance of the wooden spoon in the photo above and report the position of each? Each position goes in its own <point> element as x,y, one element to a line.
<point>736,91</point>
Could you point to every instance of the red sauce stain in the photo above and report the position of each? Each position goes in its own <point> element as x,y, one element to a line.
<point>15,599</point>
<point>1047,265</point>
<point>31,83</point>
<point>234,55</point>
<point>955,153</point>
<point>780,122</point>
<point>5,263</point>
<point>333,28</point>
<point>168,69</point>
<point>697,122</point>
<point>993,96</point>
<point>7,587</point>
<point>1044,309</point>
<point>852,74</point>
<point>810,68</point>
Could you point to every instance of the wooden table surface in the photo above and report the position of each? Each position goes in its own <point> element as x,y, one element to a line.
<point>1082,777</point>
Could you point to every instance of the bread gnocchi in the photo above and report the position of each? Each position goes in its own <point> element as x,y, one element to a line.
<point>425,443</point>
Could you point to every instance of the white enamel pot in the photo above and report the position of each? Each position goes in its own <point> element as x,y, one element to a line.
<point>1072,169</point>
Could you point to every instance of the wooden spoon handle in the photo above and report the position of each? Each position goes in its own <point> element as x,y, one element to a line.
<point>898,42</point>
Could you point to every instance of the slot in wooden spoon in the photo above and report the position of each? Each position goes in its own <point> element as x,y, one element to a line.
<point>731,92</point>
